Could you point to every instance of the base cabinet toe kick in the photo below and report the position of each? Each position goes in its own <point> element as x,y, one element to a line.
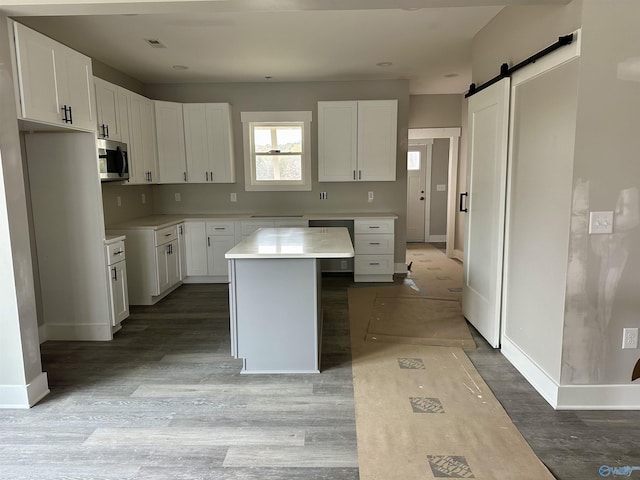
<point>275,297</point>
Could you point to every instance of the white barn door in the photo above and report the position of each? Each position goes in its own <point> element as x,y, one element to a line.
<point>486,203</point>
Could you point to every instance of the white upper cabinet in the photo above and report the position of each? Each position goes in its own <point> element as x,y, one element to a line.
<point>108,109</point>
<point>357,140</point>
<point>142,143</point>
<point>209,143</point>
<point>55,83</point>
<point>170,137</point>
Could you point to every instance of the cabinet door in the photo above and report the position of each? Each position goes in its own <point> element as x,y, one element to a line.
<point>35,55</point>
<point>337,141</point>
<point>377,140</point>
<point>118,292</point>
<point>170,146</point>
<point>217,246</point>
<point>122,109</point>
<point>142,155</point>
<point>107,109</point>
<point>182,250</point>
<point>196,143</point>
<point>74,75</point>
<point>163,268</point>
<point>196,248</point>
<point>220,143</point>
<point>173,263</point>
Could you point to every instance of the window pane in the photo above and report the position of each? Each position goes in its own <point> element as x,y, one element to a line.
<point>262,139</point>
<point>278,167</point>
<point>413,161</point>
<point>289,139</point>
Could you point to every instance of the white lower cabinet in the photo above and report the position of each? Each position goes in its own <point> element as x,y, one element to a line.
<point>153,262</point>
<point>374,249</point>
<point>217,246</point>
<point>118,290</point>
<point>206,244</point>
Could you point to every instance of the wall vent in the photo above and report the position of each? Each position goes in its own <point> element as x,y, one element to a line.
<point>155,43</point>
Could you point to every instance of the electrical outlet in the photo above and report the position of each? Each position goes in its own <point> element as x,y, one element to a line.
<point>233,197</point>
<point>343,264</point>
<point>143,198</point>
<point>323,195</point>
<point>119,200</point>
<point>629,338</point>
<point>177,196</point>
<point>370,197</point>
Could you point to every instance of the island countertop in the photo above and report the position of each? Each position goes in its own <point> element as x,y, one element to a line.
<point>316,242</point>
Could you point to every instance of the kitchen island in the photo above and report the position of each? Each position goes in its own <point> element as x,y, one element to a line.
<point>275,296</point>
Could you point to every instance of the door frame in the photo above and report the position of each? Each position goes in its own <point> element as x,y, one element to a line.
<point>453,135</point>
<point>428,148</point>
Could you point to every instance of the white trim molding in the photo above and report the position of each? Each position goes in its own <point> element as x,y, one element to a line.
<point>437,238</point>
<point>84,332</point>
<point>571,397</point>
<point>24,396</point>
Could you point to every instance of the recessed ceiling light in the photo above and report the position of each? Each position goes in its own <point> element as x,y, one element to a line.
<point>180,67</point>
<point>451,75</point>
<point>384,64</point>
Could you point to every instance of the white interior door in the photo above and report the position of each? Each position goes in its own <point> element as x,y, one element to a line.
<point>417,194</point>
<point>486,203</point>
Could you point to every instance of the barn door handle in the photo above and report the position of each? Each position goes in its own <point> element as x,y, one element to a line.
<point>462,202</point>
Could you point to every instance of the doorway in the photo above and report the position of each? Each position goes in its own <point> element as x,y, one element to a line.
<point>418,192</point>
<point>423,136</point>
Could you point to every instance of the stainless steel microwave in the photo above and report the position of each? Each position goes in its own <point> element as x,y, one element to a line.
<point>113,161</point>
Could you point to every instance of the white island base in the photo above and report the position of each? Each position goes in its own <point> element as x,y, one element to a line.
<point>275,297</point>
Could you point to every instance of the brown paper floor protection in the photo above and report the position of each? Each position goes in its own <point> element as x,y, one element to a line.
<point>424,412</point>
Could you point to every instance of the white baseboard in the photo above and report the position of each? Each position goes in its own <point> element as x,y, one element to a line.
<point>571,397</point>
<point>437,238</point>
<point>42,333</point>
<point>459,254</point>
<point>83,332</point>
<point>24,396</point>
<point>538,378</point>
<point>207,279</point>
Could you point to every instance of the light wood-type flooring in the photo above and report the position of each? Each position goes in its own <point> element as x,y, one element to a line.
<point>166,401</point>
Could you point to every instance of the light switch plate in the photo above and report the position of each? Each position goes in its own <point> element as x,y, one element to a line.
<point>441,187</point>
<point>600,222</point>
<point>177,196</point>
<point>370,197</point>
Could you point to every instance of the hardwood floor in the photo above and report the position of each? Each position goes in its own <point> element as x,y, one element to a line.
<point>165,400</point>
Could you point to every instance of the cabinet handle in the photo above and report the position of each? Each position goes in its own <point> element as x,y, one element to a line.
<point>150,176</point>
<point>374,243</point>
<point>115,274</point>
<point>168,234</point>
<point>374,263</point>
<point>207,175</point>
<point>107,130</point>
<point>354,174</point>
<point>181,233</point>
<point>219,228</point>
<point>374,226</point>
<point>65,119</point>
<point>208,241</point>
<point>211,176</point>
<point>185,176</point>
<point>119,252</point>
<point>70,115</point>
<point>359,174</point>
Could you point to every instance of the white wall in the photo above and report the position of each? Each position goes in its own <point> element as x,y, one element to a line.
<point>22,382</point>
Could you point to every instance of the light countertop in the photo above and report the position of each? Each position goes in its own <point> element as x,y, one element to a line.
<point>318,242</point>
<point>109,239</point>
<point>155,222</point>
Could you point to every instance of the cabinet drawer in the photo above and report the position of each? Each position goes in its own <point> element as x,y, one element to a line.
<point>374,244</point>
<point>219,228</point>
<point>115,252</point>
<point>166,235</point>
<point>372,225</point>
<point>373,264</point>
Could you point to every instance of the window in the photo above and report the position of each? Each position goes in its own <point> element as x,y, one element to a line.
<point>277,150</point>
<point>413,160</point>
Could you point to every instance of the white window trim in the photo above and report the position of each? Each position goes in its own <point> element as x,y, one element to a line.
<point>247,119</point>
